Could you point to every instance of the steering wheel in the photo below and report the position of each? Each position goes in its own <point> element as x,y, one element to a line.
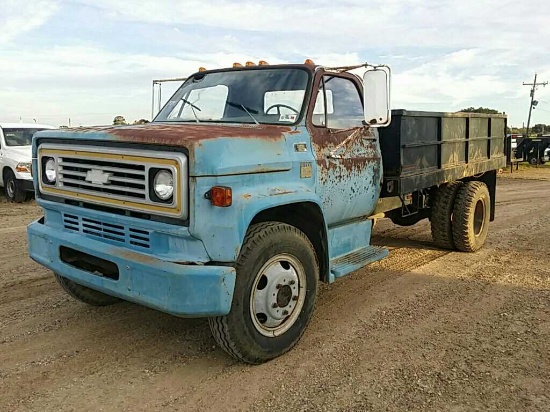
<point>278,106</point>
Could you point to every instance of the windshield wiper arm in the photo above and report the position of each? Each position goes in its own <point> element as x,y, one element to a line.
<point>244,109</point>
<point>191,104</point>
<point>193,107</point>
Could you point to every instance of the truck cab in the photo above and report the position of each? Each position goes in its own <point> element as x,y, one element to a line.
<point>252,185</point>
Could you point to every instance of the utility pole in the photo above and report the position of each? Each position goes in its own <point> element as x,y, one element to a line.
<point>533,101</point>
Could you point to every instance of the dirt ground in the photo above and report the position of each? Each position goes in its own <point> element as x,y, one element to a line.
<point>425,329</point>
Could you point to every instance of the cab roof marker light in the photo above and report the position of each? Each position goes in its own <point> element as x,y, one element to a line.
<point>263,63</point>
<point>250,64</point>
<point>309,61</point>
<point>236,64</point>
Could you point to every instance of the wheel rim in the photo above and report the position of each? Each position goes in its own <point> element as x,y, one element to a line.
<point>479,217</point>
<point>278,295</point>
<point>10,188</point>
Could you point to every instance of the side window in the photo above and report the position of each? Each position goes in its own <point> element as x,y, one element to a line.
<point>344,106</point>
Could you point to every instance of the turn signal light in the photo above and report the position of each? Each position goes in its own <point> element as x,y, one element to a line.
<point>221,196</point>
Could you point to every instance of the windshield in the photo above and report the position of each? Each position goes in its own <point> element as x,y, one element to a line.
<point>19,136</point>
<point>273,96</point>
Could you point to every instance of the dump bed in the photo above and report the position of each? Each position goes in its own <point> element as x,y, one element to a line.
<point>424,149</point>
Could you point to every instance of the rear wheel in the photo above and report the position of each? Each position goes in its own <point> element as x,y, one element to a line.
<point>274,294</point>
<point>84,294</point>
<point>14,191</point>
<point>442,215</point>
<point>471,216</point>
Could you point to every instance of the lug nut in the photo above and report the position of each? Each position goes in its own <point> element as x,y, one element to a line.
<point>285,312</point>
<point>274,305</point>
<point>292,282</point>
<point>295,297</point>
<point>279,286</point>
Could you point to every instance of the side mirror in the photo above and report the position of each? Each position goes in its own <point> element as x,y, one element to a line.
<point>376,96</point>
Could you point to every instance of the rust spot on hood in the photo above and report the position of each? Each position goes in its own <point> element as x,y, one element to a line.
<point>185,134</point>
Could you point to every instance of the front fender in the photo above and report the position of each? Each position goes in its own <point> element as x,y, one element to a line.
<point>222,229</point>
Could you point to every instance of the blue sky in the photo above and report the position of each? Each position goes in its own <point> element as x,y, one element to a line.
<point>91,60</point>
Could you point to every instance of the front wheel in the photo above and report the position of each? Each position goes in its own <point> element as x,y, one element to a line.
<point>274,295</point>
<point>14,191</point>
<point>84,294</point>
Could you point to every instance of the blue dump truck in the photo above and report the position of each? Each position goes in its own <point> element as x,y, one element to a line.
<point>252,185</point>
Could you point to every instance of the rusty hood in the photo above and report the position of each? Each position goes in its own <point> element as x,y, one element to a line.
<point>213,149</point>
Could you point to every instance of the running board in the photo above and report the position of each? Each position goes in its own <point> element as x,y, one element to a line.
<point>346,264</point>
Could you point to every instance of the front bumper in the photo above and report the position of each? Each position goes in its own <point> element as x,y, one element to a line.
<point>26,185</point>
<point>181,290</point>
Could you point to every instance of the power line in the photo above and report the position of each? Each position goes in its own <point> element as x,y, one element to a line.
<point>533,101</point>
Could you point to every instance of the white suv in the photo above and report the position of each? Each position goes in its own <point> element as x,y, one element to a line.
<point>16,157</point>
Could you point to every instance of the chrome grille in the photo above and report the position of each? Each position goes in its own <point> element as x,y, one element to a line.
<point>113,232</point>
<point>125,180</point>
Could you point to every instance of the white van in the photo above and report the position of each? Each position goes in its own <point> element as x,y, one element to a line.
<point>16,157</point>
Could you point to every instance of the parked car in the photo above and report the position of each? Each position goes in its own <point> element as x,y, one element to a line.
<point>16,158</point>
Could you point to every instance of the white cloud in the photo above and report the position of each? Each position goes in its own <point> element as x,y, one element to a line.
<point>18,17</point>
<point>473,77</point>
<point>446,55</point>
<point>90,85</point>
<point>356,24</point>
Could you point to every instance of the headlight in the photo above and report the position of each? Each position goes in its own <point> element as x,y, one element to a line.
<point>24,167</point>
<point>49,171</point>
<point>163,185</point>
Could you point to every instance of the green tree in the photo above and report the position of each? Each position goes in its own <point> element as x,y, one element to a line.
<point>119,120</point>
<point>540,128</point>
<point>481,110</point>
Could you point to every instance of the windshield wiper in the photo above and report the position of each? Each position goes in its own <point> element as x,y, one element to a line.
<point>193,107</point>
<point>244,109</point>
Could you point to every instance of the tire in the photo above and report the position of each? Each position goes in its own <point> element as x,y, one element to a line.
<point>442,215</point>
<point>471,216</point>
<point>84,294</point>
<point>14,191</point>
<point>257,328</point>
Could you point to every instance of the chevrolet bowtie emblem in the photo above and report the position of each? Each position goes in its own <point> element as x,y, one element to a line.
<point>98,177</point>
